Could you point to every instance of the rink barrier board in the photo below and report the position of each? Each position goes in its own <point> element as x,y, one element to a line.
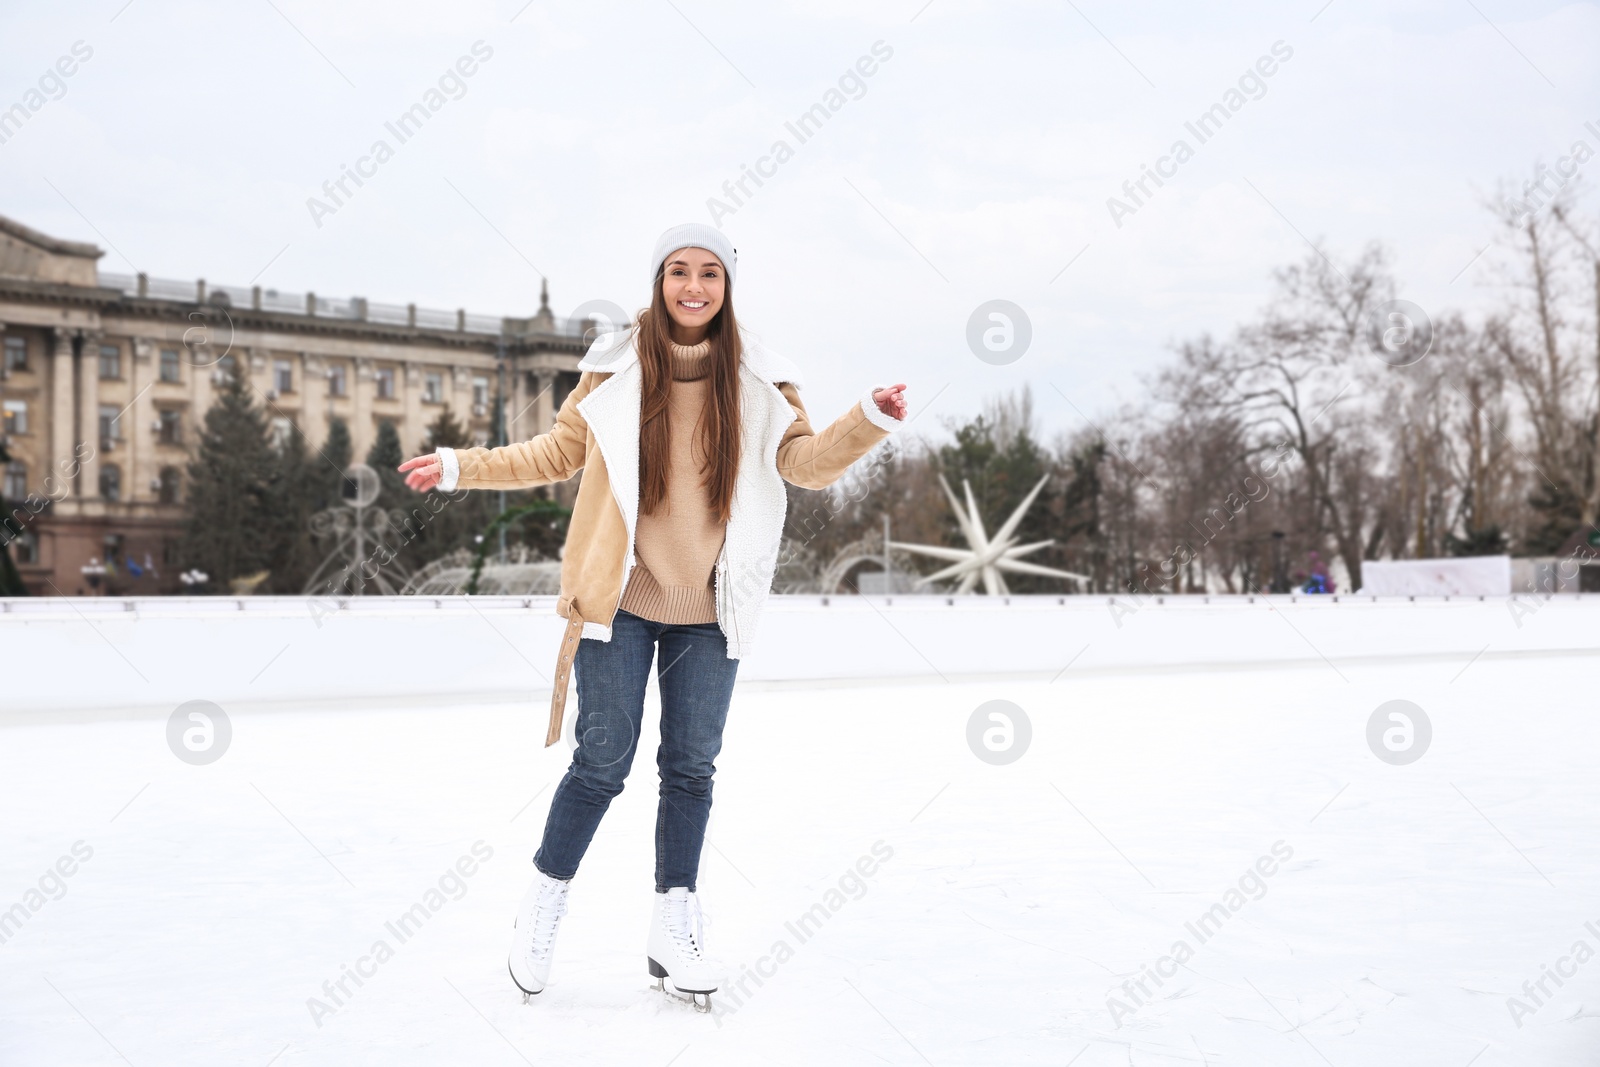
<point>136,656</point>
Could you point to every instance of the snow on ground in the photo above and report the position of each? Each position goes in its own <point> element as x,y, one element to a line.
<point>1014,901</point>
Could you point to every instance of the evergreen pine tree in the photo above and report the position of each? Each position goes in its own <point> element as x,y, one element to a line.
<point>446,432</point>
<point>337,448</point>
<point>229,502</point>
<point>329,476</point>
<point>456,520</point>
<point>1080,507</point>
<point>293,490</point>
<point>385,456</point>
<point>408,517</point>
<point>1001,476</point>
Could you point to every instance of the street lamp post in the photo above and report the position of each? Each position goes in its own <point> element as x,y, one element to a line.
<point>1280,576</point>
<point>503,436</point>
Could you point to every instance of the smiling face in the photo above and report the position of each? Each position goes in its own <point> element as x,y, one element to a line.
<point>693,286</point>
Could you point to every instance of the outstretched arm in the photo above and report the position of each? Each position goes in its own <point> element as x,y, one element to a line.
<point>814,460</point>
<point>550,457</point>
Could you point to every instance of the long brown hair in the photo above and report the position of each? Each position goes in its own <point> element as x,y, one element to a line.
<point>719,422</point>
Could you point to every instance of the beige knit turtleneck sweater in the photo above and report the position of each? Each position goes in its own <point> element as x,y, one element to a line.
<point>676,548</point>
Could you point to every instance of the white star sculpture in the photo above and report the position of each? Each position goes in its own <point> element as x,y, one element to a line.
<point>987,557</point>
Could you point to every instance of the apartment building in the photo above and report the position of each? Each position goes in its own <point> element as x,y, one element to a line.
<point>104,379</point>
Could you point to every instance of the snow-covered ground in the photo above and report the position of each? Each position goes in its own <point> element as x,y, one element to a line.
<point>1361,912</point>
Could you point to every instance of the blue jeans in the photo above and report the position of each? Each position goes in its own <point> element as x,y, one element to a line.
<point>696,681</point>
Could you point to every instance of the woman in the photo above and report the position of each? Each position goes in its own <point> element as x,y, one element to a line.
<point>685,428</point>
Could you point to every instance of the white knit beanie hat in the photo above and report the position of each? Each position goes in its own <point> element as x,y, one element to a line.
<point>695,235</point>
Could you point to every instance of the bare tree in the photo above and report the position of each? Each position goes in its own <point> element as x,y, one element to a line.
<point>1285,377</point>
<point>1552,358</point>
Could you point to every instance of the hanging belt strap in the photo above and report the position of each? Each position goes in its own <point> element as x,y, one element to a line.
<point>564,658</point>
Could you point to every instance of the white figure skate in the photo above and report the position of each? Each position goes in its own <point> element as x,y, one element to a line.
<point>534,942</point>
<point>674,951</point>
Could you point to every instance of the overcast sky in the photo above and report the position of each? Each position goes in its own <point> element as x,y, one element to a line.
<point>973,163</point>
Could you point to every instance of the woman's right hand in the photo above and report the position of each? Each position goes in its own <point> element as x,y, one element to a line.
<point>425,472</point>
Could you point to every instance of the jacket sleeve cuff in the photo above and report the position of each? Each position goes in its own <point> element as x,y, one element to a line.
<point>875,415</point>
<point>452,469</point>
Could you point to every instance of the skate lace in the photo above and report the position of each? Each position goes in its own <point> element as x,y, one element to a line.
<point>547,912</point>
<point>685,924</point>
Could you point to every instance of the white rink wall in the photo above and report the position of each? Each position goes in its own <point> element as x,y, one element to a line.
<point>112,657</point>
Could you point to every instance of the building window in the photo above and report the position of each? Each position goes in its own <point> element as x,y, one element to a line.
<point>16,480</point>
<point>227,366</point>
<point>433,388</point>
<point>170,364</point>
<point>338,383</point>
<point>110,361</point>
<point>283,376</point>
<point>384,377</point>
<point>111,482</point>
<point>281,428</point>
<point>480,396</point>
<point>170,426</point>
<point>565,383</point>
<point>25,547</point>
<point>16,354</point>
<point>167,485</point>
<point>110,425</point>
<point>16,416</point>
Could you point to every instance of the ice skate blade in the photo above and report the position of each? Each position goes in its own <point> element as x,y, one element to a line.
<point>527,994</point>
<point>659,973</point>
<point>664,984</point>
<point>701,1001</point>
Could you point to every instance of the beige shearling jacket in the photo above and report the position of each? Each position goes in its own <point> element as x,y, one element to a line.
<point>597,431</point>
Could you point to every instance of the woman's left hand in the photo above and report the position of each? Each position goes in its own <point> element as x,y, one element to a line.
<point>423,472</point>
<point>891,401</point>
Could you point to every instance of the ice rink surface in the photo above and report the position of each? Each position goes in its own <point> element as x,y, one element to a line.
<point>1005,909</point>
